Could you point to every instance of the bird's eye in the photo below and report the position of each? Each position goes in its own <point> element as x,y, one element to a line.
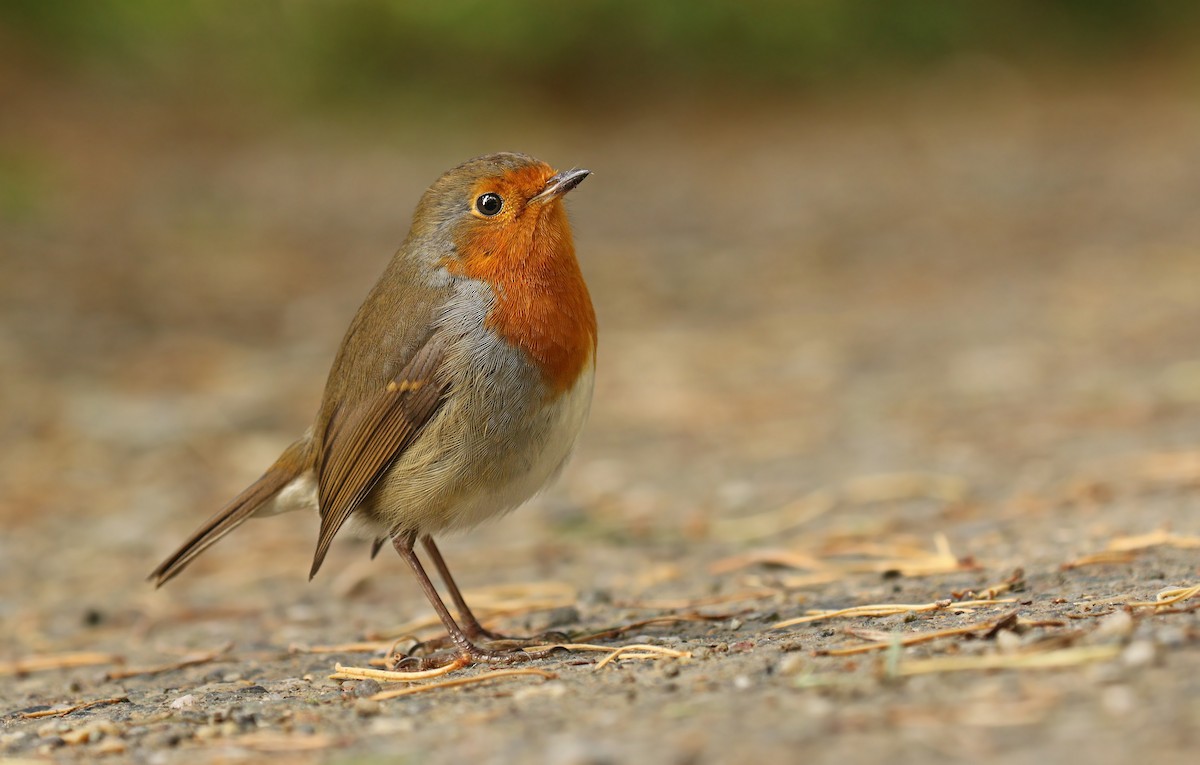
<point>489,204</point>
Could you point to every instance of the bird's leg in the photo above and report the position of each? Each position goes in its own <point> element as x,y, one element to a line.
<point>470,625</point>
<point>465,650</point>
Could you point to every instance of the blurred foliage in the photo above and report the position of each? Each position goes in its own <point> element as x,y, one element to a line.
<point>358,49</point>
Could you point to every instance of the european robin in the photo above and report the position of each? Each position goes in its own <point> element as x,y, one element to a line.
<point>459,388</point>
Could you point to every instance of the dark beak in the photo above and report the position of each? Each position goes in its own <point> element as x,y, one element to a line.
<point>561,183</point>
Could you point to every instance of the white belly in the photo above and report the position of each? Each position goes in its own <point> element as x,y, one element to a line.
<point>481,456</point>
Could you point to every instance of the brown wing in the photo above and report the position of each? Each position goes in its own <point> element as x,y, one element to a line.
<point>361,443</point>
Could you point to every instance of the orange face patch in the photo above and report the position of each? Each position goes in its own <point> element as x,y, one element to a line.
<point>526,253</point>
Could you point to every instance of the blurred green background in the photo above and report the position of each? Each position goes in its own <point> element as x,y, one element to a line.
<point>377,53</point>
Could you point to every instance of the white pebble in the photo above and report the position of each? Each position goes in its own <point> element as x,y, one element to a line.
<point>184,702</point>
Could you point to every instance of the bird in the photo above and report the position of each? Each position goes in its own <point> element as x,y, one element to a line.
<point>459,388</point>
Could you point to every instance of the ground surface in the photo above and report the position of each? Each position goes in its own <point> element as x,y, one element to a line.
<point>890,348</point>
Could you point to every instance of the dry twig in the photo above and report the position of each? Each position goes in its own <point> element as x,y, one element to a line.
<point>1170,596</point>
<point>1102,558</point>
<point>1126,549</point>
<point>642,651</point>
<point>890,609</point>
<point>62,712</point>
<point>57,661</point>
<point>882,640</point>
<point>187,661</point>
<point>486,677</point>
<point>1016,581</point>
<point>1156,538</point>
<point>393,676</point>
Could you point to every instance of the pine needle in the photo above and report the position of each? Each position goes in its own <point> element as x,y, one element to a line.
<point>882,640</point>
<point>187,661</point>
<point>642,651</point>
<point>63,711</point>
<point>483,678</point>
<point>1170,596</point>
<point>393,676</point>
<point>890,609</point>
<point>57,661</point>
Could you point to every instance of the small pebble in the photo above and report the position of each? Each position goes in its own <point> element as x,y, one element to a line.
<point>207,732</point>
<point>110,746</point>
<point>388,725</point>
<point>82,735</point>
<point>1118,624</point>
<point>1171,637</point>
<point>186,701</point>
<point>162,740</point>
<point>366,688</point>
<point>1008,641</point>
<point>50,745</point>
<point>793,664</point>
<point>366,707</point>
<point>595,597</point>
<point>1140,653</point>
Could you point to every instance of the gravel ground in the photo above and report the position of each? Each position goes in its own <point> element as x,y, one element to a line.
<point>922,345</point>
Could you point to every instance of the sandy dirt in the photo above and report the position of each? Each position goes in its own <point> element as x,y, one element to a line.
<point>932,344</point>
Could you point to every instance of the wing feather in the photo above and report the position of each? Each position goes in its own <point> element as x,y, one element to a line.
<point>362,442</point>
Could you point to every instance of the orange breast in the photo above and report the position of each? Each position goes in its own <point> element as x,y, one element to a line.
<point>542,303</point>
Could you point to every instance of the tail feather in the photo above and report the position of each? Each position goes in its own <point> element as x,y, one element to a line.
<point>290,465</point>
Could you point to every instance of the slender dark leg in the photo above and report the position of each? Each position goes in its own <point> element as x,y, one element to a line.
<point>465,648</point>
<point>470,625</point>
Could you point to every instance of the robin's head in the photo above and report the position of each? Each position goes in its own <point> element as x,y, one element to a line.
<point>506,206</point>
<point>499,219</point>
